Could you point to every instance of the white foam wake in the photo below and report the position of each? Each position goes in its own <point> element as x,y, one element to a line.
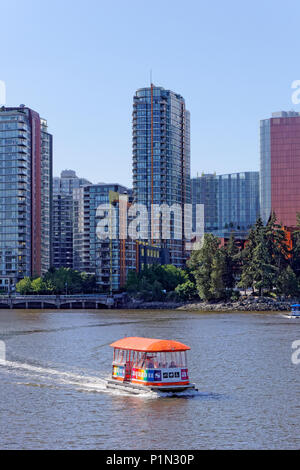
<point>82,381</point>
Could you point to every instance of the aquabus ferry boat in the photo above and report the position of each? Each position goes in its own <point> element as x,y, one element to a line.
<point>295,311</point>
<point>141,364</point>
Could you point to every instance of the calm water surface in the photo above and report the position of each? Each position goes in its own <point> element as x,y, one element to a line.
<point>53,395</point>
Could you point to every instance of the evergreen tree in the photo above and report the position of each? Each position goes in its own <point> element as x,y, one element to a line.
<point>287,283</point>
<point>295,255</point>
<point>277,243</point>
<point>201,265</point>
<point>260,258</point>
<point>245,258</point>
<point>218,275</point>
<point>231,255</point>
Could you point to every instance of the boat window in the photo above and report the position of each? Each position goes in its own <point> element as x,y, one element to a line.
<point>120,356</point>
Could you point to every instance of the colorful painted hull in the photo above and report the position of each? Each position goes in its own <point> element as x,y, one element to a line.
<point>138,388</point>
<point>171,379</point>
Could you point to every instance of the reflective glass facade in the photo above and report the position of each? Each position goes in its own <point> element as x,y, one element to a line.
<point>25,194</point>
<point>204,191</point>
<point>231,202</point>
<point>237,202</point>
<point>280,167</point>
<point>161,155</point>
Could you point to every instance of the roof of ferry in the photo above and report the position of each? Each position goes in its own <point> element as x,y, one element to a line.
<point>149,344</point>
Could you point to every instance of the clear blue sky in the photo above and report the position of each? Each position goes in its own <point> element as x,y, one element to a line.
<point>79,63</point>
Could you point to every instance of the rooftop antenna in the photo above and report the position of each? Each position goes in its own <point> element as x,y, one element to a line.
<point>150,77</point>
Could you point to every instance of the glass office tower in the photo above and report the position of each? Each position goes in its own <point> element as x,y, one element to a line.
<point>204,191</point>
<point>237,202</point>
<point>161,159</point>
<point>280,167</point>
<point>231,202</point>
<point>25,195</point>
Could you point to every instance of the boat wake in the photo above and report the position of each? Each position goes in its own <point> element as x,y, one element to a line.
<point>39,376</point>
<point>47,375</point>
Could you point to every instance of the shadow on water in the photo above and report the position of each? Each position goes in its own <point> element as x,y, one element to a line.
<point>195,395</point>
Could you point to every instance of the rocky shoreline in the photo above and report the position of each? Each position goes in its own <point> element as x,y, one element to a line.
<point>249,304</point>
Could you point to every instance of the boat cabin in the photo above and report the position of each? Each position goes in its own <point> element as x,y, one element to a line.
<point>295,310</point>
<point>148,361</point>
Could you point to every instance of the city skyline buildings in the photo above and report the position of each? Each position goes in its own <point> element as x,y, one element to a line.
<point>161,174</point>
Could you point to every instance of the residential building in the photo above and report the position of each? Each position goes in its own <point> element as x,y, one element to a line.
<point>25,195</point>
<point>161,163</point>
<point>109,258</point>
<point>62,227</point>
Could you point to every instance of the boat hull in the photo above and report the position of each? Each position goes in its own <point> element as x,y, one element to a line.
<point>137,389</point>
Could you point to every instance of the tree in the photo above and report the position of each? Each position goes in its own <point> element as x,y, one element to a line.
<point>277,243</point>
<point>65,280</point>
<point>168,276</point>
<point>88,283</point>
<point>38,286</point>
<point>201,265</point>
<point>186,291</point>
<point>264,270</point>
<point>24,286</point>
<point>295,254</point>
<point>132,283</point>
<point>262,257</point>
<point>157,291</point>
<point>218,270</point>
<point>231,260</point>
<point>287,283</point>
<point>247,268</point>
<point>171,277</point>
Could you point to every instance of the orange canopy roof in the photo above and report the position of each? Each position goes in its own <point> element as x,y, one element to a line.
<point>149,344</point>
